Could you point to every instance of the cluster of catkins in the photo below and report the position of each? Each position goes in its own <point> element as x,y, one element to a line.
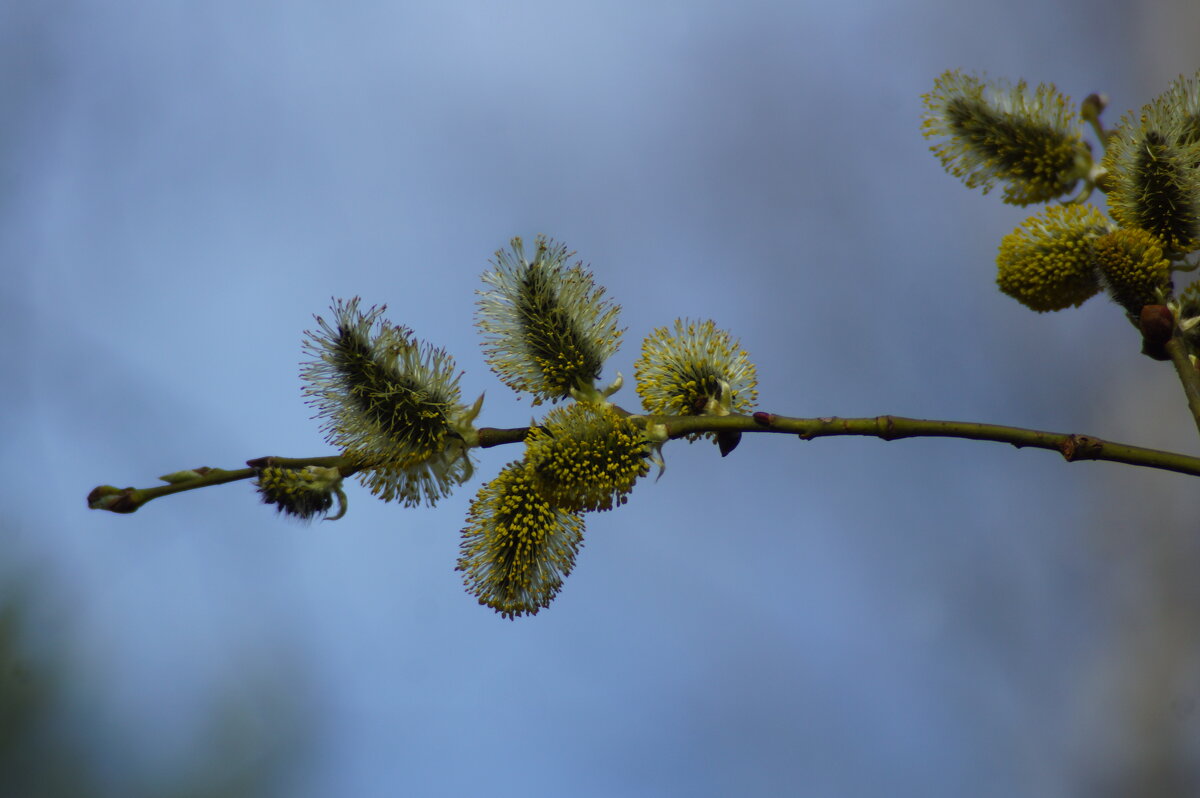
<point>1031,142</point>
<point>391,405</point>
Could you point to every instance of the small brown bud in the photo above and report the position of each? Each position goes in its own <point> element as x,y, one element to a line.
<point>727,441</point>
<point>1092,106</point>
<point>117,500</point>
<point>1157,326</point>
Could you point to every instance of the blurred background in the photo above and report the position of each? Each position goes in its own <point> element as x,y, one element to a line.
<point>184,185</point>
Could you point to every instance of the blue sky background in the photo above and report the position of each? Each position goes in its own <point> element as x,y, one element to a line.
<point>186,184</point>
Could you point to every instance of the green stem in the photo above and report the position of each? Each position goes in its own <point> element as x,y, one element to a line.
<point>1071,446</point>
<point>128,500</point>
<point>1188,375</point>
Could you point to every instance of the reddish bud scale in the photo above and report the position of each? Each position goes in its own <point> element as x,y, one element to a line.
<point>117,500</point>
<point>1157,326</point>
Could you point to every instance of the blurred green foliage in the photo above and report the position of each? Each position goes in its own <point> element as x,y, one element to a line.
<point>47,750</point>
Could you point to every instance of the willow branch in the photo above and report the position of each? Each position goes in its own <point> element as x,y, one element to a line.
<point>1188,375</point>
<point>128,500</point>
<point>1071,446</point>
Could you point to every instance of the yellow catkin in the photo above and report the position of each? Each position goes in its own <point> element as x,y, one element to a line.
<point>517,547</point>
<point>548,329</point>
<point>586,457</point>
<point>1134,269</point>
<point>1047,263</point>
<point>390,403</point>
<point>301,492</point>
<point>694,368</point>
<point>1031,141</point>
<point>1151,161</point>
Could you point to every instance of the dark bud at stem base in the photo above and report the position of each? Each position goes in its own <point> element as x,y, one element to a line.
<point>727,441</point>
<point>1157,326</point>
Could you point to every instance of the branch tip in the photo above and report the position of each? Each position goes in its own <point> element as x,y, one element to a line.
<point>115,500</point>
